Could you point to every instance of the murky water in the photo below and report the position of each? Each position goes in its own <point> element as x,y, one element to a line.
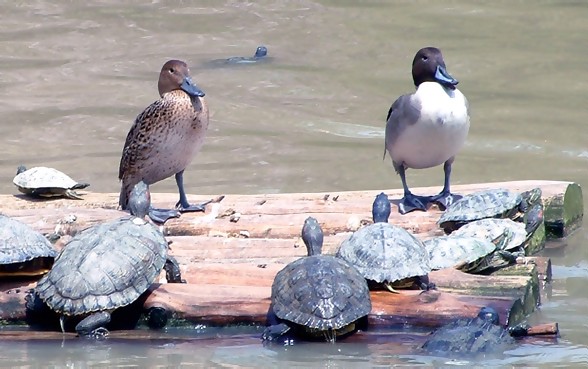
<point>73,76</point>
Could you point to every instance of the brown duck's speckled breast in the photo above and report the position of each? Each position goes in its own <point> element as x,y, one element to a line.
<point>164,138</point>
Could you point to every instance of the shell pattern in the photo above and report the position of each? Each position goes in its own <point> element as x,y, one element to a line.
<point>481,204</point>
<point>450,251</point>
<point>43,177</point>
<point>468,336</point>
<point>320,292</point>
<point>383,252</point>
<point>492,228</point>
<point>104,267</point>
<point>20,243</point>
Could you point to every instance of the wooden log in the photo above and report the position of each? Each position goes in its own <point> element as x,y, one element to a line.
<point>547,329</point>
<point>280,215</point>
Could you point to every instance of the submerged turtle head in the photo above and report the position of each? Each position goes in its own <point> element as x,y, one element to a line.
<point>140,200</point>
<point>381,209</point>
<point>489,314</point>
<point>312,235</point>
<point>260,52</point>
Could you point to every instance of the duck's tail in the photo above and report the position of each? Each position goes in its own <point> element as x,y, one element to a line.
<point>125,191</point>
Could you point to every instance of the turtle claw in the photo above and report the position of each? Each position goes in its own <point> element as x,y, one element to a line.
<point>390,288</point>
<point>98,334</point>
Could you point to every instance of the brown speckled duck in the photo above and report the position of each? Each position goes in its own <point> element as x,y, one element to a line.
<point>165,137</point>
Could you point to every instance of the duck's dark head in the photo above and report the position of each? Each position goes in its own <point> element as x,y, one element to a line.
<point>260,52</point>
<point>312,235</point>
<point>489,314</point>
<point>381,209</point>
<point>175,75</point>
<point>428,66</point>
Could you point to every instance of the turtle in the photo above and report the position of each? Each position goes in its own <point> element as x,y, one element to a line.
<point>259,56</point>
<point>472,336</point>
<point>464,253</point>
<point>24,252</point>
<point>385,254</point>
<point>317,297</point>
<point>493,203</point>
<point>46,182</point>
<point>516,236</point>
<point>105,267</point>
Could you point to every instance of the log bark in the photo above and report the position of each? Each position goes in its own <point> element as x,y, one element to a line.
<point>281,215</point>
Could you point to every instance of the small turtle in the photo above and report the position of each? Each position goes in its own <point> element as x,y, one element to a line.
<point>472,336</point>
<point>106,267</point>
<point>259,57</point>
<point>387,254</point>
<point>24,252</point>
<point>318,296</point>
<point>494,203</point>
<point>460,252</point>
<point>46,182</point>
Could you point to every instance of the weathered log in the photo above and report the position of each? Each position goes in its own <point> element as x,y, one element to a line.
<point>280,215</point>
<point>547,329</point>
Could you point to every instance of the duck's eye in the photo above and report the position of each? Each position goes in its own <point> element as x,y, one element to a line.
<point>172,70</point>
<point>425,58</point>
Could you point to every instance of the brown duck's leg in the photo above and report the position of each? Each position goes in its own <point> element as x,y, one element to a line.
<point>183,205</point>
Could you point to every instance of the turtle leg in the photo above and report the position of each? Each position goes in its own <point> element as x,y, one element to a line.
<point>445,198</point>
<point>409,202</point>
<point>423,282</point>
<point>183,205</point>
<point>71,194</point>
<point>173,273</point>
<point>276,329</point>
<point>92,325</point>
<point>389,287</point>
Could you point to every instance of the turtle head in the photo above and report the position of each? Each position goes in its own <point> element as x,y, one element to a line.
<point>20,169</point>
<point>489,314</point>
<point>312,235</point>
<point>381,209</point>
<point>260,52</point>
<point>140,200</point>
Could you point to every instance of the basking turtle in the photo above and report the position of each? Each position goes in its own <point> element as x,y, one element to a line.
<point>494,203</point>
<point>387,254</point>
<point>24,252</point>
<point>318,296</point>
<point>46,182</point>
<point>106,267</point>
<point>479,335</point>
<point>516,235</point>
<point>460,252</point>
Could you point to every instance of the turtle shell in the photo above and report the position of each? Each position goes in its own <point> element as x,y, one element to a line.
<point>469,336</point>
<point>23,251</point>
<point>104,267</point>
<point>320,292</point>
<point>491,229</point>
<point>383,252</point>
<point>457,251</point>
<point>43,181</point>
<point>494,203</point>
